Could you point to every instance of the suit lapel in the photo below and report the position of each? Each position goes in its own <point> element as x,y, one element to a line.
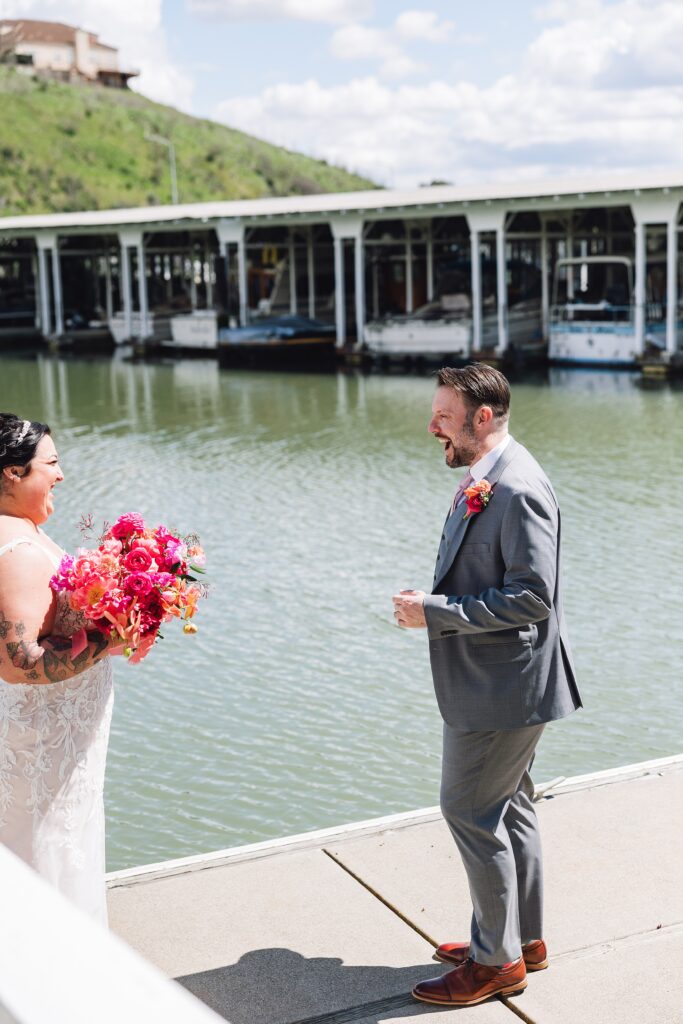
<point>456,525</point>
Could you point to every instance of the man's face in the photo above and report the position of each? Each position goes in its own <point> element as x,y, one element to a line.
<point>452,425</point>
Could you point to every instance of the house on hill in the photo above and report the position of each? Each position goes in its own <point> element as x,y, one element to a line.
<point>64,52</point>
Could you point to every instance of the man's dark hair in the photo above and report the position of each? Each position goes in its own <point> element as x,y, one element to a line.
<point>478,384</point>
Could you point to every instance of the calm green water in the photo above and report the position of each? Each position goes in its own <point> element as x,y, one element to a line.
<point>299,704</point>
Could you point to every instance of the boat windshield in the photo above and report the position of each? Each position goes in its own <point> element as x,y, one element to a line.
<point>584,282</point>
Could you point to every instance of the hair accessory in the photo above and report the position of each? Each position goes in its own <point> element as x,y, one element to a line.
<point>25,427</point>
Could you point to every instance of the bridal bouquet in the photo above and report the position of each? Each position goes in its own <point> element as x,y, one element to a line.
<point>134,581</point>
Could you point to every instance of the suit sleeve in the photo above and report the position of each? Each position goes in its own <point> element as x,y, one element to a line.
<point>529,548</point>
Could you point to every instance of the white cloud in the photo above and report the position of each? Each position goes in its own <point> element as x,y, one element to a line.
<point>387,45</point>
<point>360,42</point>
<point>326,11</point>
<point>134,26</point>
<point>423,25</point>
<point>600,90</point>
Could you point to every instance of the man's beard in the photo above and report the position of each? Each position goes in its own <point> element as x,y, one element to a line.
<point>464,453</point>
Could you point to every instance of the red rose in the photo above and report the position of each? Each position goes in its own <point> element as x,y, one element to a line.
<point>138,584</point>
<point>138,559</point>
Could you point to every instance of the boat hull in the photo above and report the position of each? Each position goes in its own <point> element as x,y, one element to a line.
<point>279,354</point>
<point>593,344</point>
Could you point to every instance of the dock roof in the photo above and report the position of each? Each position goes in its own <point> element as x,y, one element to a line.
<point>608,188</point>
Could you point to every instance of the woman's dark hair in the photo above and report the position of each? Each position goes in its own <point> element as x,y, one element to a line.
<point>478,384</point>
<point>17,442</point>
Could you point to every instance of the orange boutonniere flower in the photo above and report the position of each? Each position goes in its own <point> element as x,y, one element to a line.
<point>478,496</point>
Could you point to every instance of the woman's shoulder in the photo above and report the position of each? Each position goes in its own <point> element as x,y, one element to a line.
<point>12,529</point>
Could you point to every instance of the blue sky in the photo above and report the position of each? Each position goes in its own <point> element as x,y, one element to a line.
<point>411,92</point>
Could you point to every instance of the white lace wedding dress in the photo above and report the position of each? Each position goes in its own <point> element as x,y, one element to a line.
<point>53,748</point>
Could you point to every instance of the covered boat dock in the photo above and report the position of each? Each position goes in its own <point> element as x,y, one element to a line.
<point>587,270</point>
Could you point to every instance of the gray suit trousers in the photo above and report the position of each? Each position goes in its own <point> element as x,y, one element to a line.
<point>486,793</point>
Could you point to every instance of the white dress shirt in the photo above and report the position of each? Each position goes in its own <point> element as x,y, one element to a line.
<point>485,464</point>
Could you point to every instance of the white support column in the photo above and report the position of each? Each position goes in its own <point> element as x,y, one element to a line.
<point>44,289</point>
<point>672,285</point>
<point>662,209</point>
<point>291,259</point>
<point>409,270</point>
<point>310,272</point>
<point>475,268</point>
<point>242,280</point>
<point>125,283</point>
<point>342,228</point>
<point>359,272</point>
<point>491,220</point>
<point>339,290</point>
<point>545,284</point>
<point>109,298</point>
<point>570,254</point>
<point>232,231</point>
<point>430,264</point>
<point>207,269</point>
<point>36,293</point>
<point>142,289</point>
<point>57,288</point>
<point>193,279</point>
<point>639,288</point>
<point>502,291</point>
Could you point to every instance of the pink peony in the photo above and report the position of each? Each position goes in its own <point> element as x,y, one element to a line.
<point>129,522</point>
<point>111,546</point>
<point>138,559</point>
<point>138,584</point>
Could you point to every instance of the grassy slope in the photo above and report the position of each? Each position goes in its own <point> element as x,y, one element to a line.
<point>77,147</point>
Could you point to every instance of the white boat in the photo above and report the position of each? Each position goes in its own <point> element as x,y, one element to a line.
<point>592,318</point>
<point>443,330</point>
<point>198,329</point>
<point>157,329</point>
<point>438,329</point>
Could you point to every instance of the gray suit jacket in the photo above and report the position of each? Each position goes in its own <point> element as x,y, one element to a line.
<point>497,636</point>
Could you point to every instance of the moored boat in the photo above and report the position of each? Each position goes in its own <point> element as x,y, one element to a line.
<point>284,342</point>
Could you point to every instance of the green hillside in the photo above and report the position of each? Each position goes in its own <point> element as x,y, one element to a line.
<point>78,147</point>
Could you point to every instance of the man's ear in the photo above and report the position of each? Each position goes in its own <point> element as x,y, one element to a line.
<point>484,415</point>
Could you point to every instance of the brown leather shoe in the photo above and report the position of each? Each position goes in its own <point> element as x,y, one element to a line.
<point>535,954</point>
<point>472,983</point>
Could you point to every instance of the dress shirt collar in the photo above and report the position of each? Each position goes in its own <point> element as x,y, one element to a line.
<point>485,464</point>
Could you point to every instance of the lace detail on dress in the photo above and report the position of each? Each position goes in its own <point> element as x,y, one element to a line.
<point>53,748</point>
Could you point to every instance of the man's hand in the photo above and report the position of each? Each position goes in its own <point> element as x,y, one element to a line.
<point>409,609</point>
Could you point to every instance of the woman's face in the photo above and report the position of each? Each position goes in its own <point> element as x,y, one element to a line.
<point>33,493</point>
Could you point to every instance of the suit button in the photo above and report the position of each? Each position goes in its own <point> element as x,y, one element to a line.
<point>438,558</point>
<point>443,536</point>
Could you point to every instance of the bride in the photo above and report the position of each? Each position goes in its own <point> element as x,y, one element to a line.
<point>55,708</point>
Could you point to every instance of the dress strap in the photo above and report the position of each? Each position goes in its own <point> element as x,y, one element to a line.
<point>27,540</point>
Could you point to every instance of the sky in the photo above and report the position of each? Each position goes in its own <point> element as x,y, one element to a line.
<point>410,93</point>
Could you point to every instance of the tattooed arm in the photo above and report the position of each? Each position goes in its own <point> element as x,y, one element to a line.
<point>27,613</point>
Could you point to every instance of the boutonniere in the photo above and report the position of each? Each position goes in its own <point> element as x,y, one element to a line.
<point>478,496</point>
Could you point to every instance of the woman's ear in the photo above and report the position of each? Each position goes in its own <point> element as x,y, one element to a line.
<point>12,473</point>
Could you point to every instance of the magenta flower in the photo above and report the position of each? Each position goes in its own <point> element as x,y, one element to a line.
<point>138,584</point>
<point>129,522</point>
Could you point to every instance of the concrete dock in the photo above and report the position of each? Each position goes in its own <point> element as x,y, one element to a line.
<point>337,926</point>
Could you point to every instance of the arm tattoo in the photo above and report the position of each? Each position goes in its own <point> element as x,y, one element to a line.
<point>53,655</point>
<point>5,626</point>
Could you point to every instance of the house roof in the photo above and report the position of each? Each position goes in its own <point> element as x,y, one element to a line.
<point>602,189</point>
<point>28,30</point>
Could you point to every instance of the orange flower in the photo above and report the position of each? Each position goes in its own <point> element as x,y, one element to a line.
<point>478,497</point>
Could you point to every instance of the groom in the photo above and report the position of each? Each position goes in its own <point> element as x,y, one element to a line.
<point>502,668</point>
